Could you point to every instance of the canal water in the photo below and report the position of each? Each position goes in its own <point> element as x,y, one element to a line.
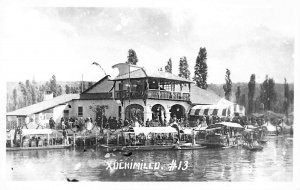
<point>274,163</point>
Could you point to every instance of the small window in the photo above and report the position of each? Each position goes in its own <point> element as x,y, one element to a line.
<point>80,111</point>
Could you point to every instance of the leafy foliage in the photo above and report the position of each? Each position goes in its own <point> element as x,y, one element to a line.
<point>168,67</point>
<point>238,95</point>
<point>184,71</point>
<point>228,85</point>
<point>132,57</point>
<point>267,93</point>
<point>201,69</point>
<point>251,93</point>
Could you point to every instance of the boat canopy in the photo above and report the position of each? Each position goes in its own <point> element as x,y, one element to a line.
<point>36,132</point>
<point>147,130</point>
<point>230,124</point>
<point>221,110</point>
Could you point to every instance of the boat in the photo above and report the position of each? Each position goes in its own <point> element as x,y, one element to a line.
<point>216,135</point>
<point>35,139</point>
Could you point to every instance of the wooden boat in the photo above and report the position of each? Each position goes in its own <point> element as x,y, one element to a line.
<point>38,148</point>
<point>216,137</point>
<point>194,147</point>
<point>253,148</point>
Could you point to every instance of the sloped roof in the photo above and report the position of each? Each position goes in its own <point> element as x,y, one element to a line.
<point>45,105</point>
<point>205,97</point>
<point>101,80</point>
<point>142,73</point>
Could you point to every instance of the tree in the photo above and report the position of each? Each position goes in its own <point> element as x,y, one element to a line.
<point>53,86</point>
<point>168,67</point>
<point>201,69</point>
<point>184,68</point>
<point>228,85</point>
<point>59,90</point>
<point>68,89</point>
<point>267,93</point>
<point>243,100</point>
<point>238,95</point>
<point>251,93</point>
<point>132,57</point>
<point>291,96</point>
<point>286,101</point>
<point>24,94</point>
<point>15,99</point>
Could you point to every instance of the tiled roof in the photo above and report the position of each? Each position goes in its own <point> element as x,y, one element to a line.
<point>142,73</point>
<point>41,106</point>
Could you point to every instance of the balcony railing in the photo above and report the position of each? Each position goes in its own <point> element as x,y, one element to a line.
<point>153,94</point>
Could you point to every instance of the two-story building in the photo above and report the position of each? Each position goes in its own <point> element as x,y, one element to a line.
<point>134,93</point>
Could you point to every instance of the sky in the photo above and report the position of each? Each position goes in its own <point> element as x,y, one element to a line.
<point>250,37</point>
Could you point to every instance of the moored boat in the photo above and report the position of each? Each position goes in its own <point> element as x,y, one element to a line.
<point>224,134</point>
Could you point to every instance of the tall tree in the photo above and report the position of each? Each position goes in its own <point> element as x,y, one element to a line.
<point>251,93</point>
<point>291,96</point>
<point>168,67</point>
<point>228,85</point>
<point>15,99</point>
<point>243,100</point>
<point>132,57</point>
<point>267,93</point>
<point>24,94</point>
<point>286,101</point>
<point>53,86</point>
<point>238,95</point>
<point>184,71</point>
<point>68,89</point>
<point>59,90</point>
<point>201,69</point>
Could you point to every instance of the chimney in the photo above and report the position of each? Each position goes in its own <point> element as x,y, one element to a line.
<point>48,95</point>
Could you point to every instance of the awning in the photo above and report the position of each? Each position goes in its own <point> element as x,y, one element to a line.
<point>220,110</point>
<point>36,131</point>
<point>147,130</point>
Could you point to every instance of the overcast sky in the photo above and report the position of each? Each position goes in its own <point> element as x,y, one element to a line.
<point>249,37</point>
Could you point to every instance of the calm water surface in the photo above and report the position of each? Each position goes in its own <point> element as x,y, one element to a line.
<point>274,163</point>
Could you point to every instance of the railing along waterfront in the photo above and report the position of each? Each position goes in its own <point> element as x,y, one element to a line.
<point>153,94</point>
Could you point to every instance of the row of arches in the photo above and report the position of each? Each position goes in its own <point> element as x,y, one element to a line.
<point>136,112</point>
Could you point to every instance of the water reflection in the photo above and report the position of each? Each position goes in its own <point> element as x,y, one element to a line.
<point>274,163</point>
